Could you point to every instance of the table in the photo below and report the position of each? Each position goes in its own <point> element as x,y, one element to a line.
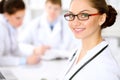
<point>47,70</point>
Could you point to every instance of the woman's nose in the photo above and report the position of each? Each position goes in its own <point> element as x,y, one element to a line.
<point>76,21</point>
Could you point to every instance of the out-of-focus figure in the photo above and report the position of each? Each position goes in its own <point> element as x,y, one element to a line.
<point>11,17</point>
<point>49,32</point>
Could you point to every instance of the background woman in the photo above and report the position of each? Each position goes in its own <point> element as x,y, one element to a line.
<point>11,17</point>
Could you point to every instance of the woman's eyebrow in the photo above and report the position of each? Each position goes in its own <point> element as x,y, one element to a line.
<point>79,12</point>
<point>84,11</point>
<point>69,11</point>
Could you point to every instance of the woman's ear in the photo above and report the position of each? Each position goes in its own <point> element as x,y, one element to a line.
<point>102,19</point>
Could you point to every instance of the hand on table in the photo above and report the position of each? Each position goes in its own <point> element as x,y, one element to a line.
<point>33,59</point>
<point>39,51</point>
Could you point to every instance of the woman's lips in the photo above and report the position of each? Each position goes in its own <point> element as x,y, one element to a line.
<point>78,30</point>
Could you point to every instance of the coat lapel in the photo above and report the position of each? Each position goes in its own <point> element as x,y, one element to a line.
<point>73,68</point>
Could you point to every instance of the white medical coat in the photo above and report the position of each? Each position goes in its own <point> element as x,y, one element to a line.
<point>39,33</point>
<point>9,51</point>
<point>102,67</point>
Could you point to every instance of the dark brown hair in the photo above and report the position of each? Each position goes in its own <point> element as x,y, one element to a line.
<point>55,2</point>
<point>11,6</point>
<point>102,7</point>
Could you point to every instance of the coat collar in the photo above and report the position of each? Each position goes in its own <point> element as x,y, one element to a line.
<point>74,67</point>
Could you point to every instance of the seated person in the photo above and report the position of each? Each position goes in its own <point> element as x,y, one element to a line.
<point>11,18</point>
<point>47,32</point>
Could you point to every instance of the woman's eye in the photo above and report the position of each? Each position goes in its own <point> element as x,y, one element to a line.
<point>83,15</point>
<point>70,15</point>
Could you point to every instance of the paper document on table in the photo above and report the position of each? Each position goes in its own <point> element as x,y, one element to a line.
<point>54,55</point>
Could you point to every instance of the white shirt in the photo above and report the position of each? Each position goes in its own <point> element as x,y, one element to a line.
<point>9,51</point>
<point>39,33</point>
<point>102,67</point>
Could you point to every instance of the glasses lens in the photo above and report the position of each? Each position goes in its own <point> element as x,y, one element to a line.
<point>83,16</point>
<point>69,17</point>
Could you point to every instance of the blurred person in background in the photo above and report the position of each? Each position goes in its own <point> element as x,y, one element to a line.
<point>49,32</point>
<point>11,18</point>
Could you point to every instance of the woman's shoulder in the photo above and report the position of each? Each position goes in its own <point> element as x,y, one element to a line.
<point>108,62</point>
<point>1,18</point>
<point>3,24</point>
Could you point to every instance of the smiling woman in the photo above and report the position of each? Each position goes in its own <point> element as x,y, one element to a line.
<point>92,61</point>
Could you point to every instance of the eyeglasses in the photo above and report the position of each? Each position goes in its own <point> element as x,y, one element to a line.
<point>80,16</point>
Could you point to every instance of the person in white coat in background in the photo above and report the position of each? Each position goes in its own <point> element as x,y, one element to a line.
<point>46,33</point>
<point>11,17</point>
<point>93,60</point>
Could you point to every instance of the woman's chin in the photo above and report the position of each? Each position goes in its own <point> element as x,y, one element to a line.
<point>77,36</point>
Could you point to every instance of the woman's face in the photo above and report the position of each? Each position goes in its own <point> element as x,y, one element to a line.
<point>86,28</point>
<point>53,11</point>
<point>16,19</point>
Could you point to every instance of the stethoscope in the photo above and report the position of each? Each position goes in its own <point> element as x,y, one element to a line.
<point>86,61</point>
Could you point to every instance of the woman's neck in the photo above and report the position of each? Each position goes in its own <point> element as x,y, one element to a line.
<point>88,44</point>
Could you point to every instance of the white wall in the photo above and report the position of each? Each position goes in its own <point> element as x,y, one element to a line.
<point>39,4</point>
